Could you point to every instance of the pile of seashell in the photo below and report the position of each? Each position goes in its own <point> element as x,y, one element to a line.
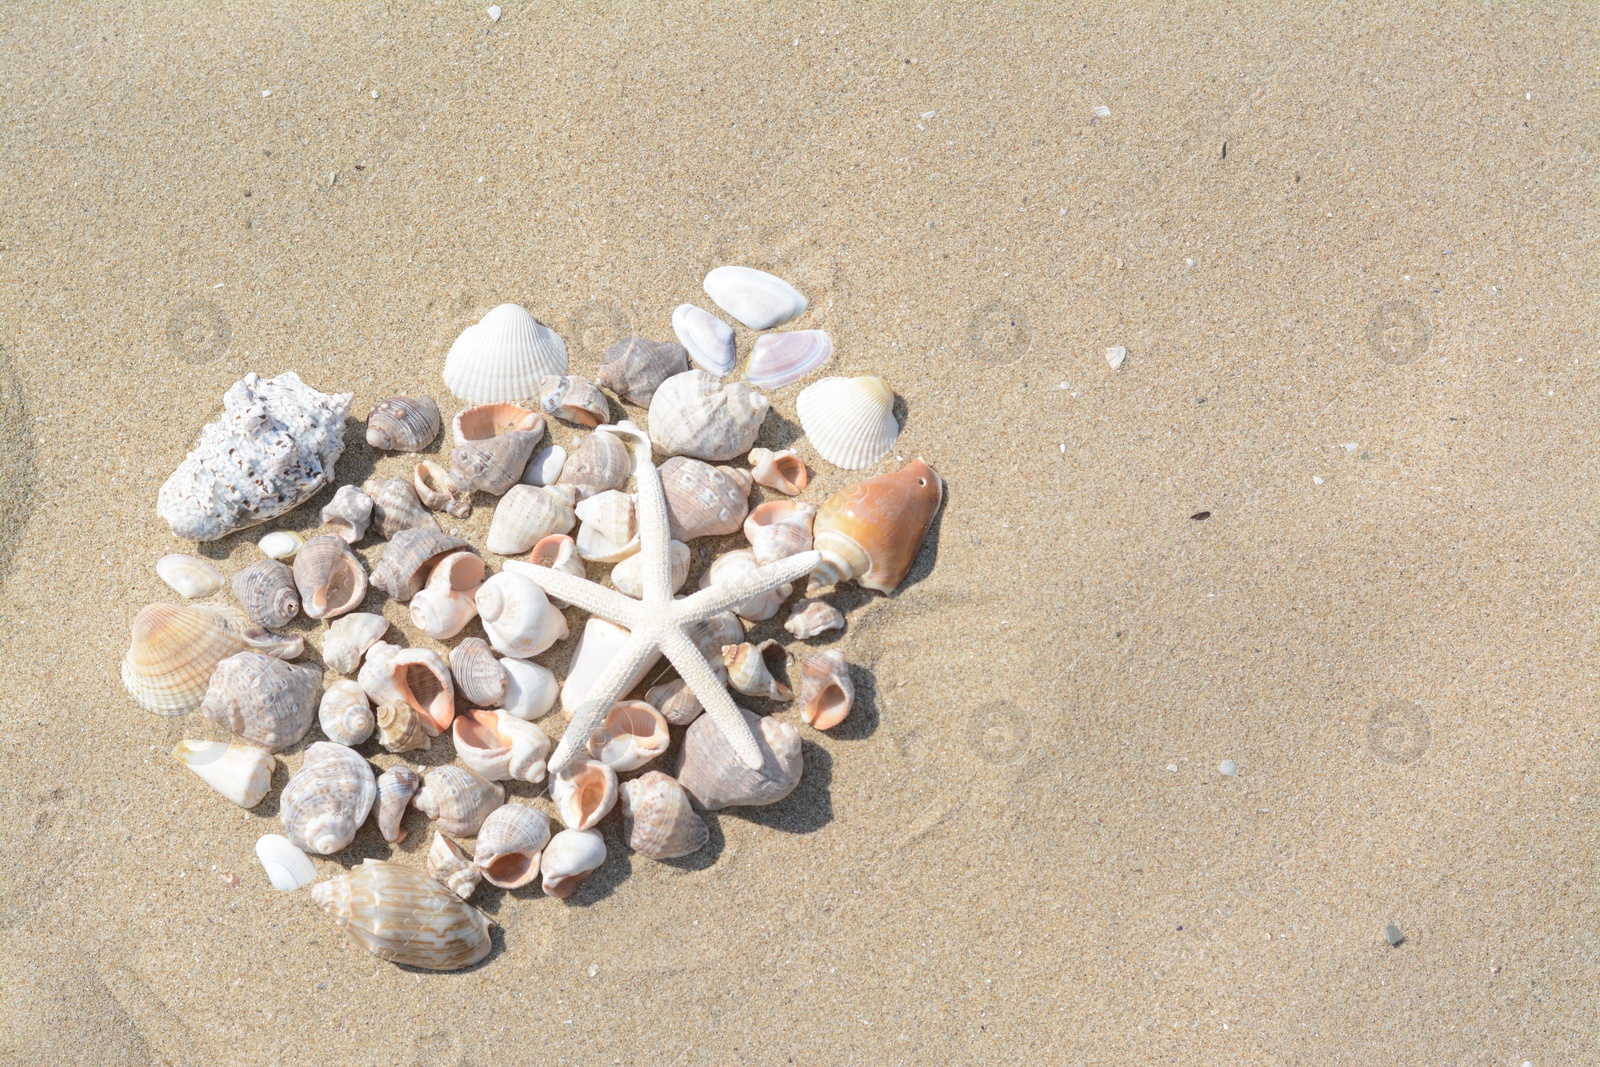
<point>276,446</point>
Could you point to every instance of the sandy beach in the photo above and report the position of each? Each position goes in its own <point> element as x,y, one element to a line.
<point>1330,526</point>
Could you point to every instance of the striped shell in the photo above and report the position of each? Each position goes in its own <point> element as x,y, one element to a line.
<point>330,578</point>
<point>503,357</point>
<point>849,421</point>
<point>396,787</point>
<point>399,914</point>
<point>263,700</point>
<point>327,799</point>
<point>702,500</point>
<point>509,843</point>
<point>395,507</point>
<point>477,674</point>
<point>267,593</point>
<point>693,414</point>
<point>657,819</point>
<point>754,297</point>
<point>404,566</point>
<point>635,366</point>
<point>173,651</point>
<point>403,423</point>
<point>457,799</point>
<point>781,358</point>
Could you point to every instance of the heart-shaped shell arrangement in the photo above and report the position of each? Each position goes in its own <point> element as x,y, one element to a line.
<point>448,668</point>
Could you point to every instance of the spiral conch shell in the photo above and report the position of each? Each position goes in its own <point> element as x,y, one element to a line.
<point>529,513</point>
<point>395,507</point>
<point>812,617</point>
<point>635,366</point>
<point>826,691</point>
<point>748,671</point>
<point>349,513</point>
<point>850,421</point>
<point>477,674</point>
<point>574,398</point>
<point>457,799</point>
<point>693,414</point>
<point>445,604</point>
<point>632,734</point>
<point>448,864</point>
<point>783,471</point>
<point>267,592</point>
<point>702,500</point>
<point>509,843</point>
<point>778,529</point>
<point>610,530</point>
<point>174,649</point>
<point>495,464</point>
<point>327,799</point>
<point>569,859</point>
<point>399,914</point>
<point>440,489</point>
<point>262,699</point>
<point>396,787</point>
<point>518,618</point>
<point>584,792</point>
<point>871,531</point>
<point>503,357</point>
<point>711,771</point>
<point>600,462</point>
<point>400,727</point>
<point>330,578</point>
<point>500,746</point>
<point>403,423</point>
<point>731,565</point>
<point>414,676</point>
<point>349,637</point>
<point>344,714</point>
<point>240,772</point>
<point>406,562</point>
<point>657,819</point>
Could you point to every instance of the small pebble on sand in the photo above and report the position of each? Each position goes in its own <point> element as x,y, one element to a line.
<point>1228,767</point>
<point>1392,934</point>
<point>494,13</point>
<point>1115,355</point>
<point>1101,111</point>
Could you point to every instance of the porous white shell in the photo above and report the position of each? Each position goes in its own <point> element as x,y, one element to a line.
<point>849,421</point>
<point>349,637</point>
<point>707,339</point>
<point>527,514</point>
<point>731,566</point>
<point>240,772</point>
<point>327,799</point>
<point>531,690</point>
<point>287,866</point>
<point>584,792</point>
<point>712,772</point>
<point>754,297</point>
<point>599,643</point>
<point>812,617</point>
<point>188,577</point>
<point>503,357</point>
<point>517,617</point>
<point>627,578</point>
<point>345,715</point>
<point>632,734</point>
<point>281,544</point>
<point>544,467</point>
<point>570,858</point>
<point>692,414</point>
<point>399,914</point>
<point>780,358</point>
<point>349,513</point>
<point>657,819</point>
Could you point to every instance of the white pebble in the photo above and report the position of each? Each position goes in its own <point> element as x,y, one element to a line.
<point>1115,355</point>
<point>1102,111</point>
<point>265,93</point>
<point>545,466</point>
<point>1228,767</point>
<point>1172,768</point>
<point>374,94</point>
<point>926,115</point>
<point>494,13</point>
<point>1316,479</point>
<point>281,544</point>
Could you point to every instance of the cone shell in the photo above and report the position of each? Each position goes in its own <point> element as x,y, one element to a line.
<point>438,489</point>
<point>675,701</point>
<point>627,576</point>
<point>634,367</point>
<point>457,799</point>
<point>732,565</point>
<point>503,357</point>
<point>327,799</point>
<point>779,529</point>
<point>349,637</point>
<point>754,297</point>
<point>407,559</point>
<point>287,867</point>
<point>569,859</point>
<point>518,618</point>
<point>399,914</point>
<point>632,734</point>
<point>871,531</point>
<point>403,423</point>
<point>263,700</point>
<point>451,867</point>
<point>584,793</point>
<point>702,500</point>
<point>478,675</point>
<point>706,339</point>
<point>826,691</point>
<point>527,514</point>
<point>414,676</point>
<point>494,465</point>
<point>657,819</point>
<point>345,714</point>
<point>693,414</point>
<point>396,787</point>
<point>812,617</point>
<point>777,359</point>
<point>531,690</point>
<point>561,553</point>
<point>173,652</point>
<point>484,421</point>
<point>710,769</point>
<point>500,746</point>
<point>349,513</point>
<point>509,843</point>
<point>240,772</point>
<point>597,646</point>
<point>330,578</point>
<point>575,399</point>
<point>395,507</point>
<point>849,421</point>
<point>748,671</point>
<point>187,576</point>
<point>267,592</point>
<point>600,462</point>
<point>783,471</point>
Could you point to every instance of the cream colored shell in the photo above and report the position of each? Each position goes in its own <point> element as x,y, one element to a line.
<point>849,421</point>
<point>401,915</point>
<point>327,799</point>
<point>657,819</point>
<point>693,414</point>
<point>174,649</point>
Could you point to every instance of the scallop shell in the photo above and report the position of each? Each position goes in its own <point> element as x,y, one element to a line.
<point>267,592</point>
<point>531,690</point>
<point>584,792</point>
<point>330,578</point>
<point>675,701</point>
<point>240,772</point>
<point>574,398</point>
<point>545,466</point>
<point>693,414</point>
<point>657,819</point>
<point>496,464</point>
<point>327,799</point>
<point>779,529</point>
<point>414,676</point>
<point>403,423</point>
<point>702,500</point>
<point>519,620</point>
<point>635,366</point>
<point>399,914</point>
<point>610,531</point>
<point>503,357</point>
<point>396,787</point>
<point>281,544</point>
<point>569,859</point>
<point>173,651</point>
<point>527,514</point>
<point>560,552</point>
<point>188,577</point>
<point>478,675</point>
<point>483,422</point>
<point>404,566</point>
<point>600,462</point>
<point>826,691</point>
<point>871,531</point>
<point>344,714</point>
<point>457,799</point>
<point>500,746</point>
<point>395,507</point>
<point>711,771</point>
<point>597,646</point>
<point>400,727</point>
<point>748,671</point>
<point>449,865</point>
<point>263,700</point>
<point>732,565</point>
<point>754,297</point>
<point>349,513</point>
<point>509,843</point>
<point>632,734</point>
<point>626,577</point>
<point>349,637</point>
<point>812,617</point>
<point>707,339</point>
<point>850,421</point>
<point>782,471</point>
<point>287,867</point>
<point>438,489</point>
<point>781,358</point>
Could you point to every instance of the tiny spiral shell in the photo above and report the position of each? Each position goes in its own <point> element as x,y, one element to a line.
<point>267,592</point>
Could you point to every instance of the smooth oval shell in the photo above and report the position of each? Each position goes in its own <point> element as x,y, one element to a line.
<point>657,819</point>
<point>872,531</point>
<point>778,529</point>
<point>702,500</point>
<point>174,649</point>
<point>738,563</point>
<point>783,471</point>
<point>187,576</point>
<point>240,772</point>
<point>754,297</point>
<point>849,421</point>
<point>399,914</point>
<point>711,771</point>
<point>600,462</point>
<point>403,423</point>
<point>812,617</point>
<point>266,590</point>
<point>826,691</point>
<point>509,843</point>
<point>574,398</point>
<point>477,674</point>
<point>396,787</point>
<point>457,799</point>
<point>531,690</point>
<point>627,578</point>
<point>569,859</point>
<point>749,673</point>
<point>448,864</point>
<point>263,700</point>
<point>707,339</point>
<point>632,734</point>
<point>693,414</point>
<point>675,701</point>
<point>545,466</point>
<point>635,366</point>
<point>406,560</point>
<point>527,514</point>
<point>345,714</point>
<point>503,357</point>
<point>349,637</point>
<point>349,513</point>
<point>519,620</point>
<point>496,464</point>
<point>438,489</point>
<point>484,421</point>
<point>781,358</point>
<point>281,544</point>
<point>395,507</point>
<point>329,577</point>
<point>500,746</point>
<point>279,646</point>
<point>327,799</point>
<point>414,676</point>
<point>287,867</point>
<point>584,792</point>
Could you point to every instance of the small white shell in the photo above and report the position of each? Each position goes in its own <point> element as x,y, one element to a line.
<point>781,358</point>
<point>287,866</point>
<point>850,421</point>
<point>779,529</point>
<point>570,858</point>
<point>584,792</point>
<point>281,544</point>
<point>736,564</point>
<point>692,414</point>
<point>610,531</point>
<point>349,637</point>
<point>240,772</point>
<point>545,466</point>
<point>748,671</point>
<point>632,734</point>
<point>707,339</point>
<point>626,577</point>
<point>754,297</point>
<point>500,746</point>
<point>349,513</point>
<point>345,714</point>
<point>531,690</point>
<point>517,617</point>
<point>188,577</point>
<point>477,674</point>
<point>812,617</point>
<point>441,614</point>
<point>503,357</point>
<point>558,552</point>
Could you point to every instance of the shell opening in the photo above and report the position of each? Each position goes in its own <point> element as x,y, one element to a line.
<point>474,733</point>
<point>511,867</point>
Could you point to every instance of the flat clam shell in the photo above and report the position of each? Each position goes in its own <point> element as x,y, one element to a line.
<point>173,652</point>
<point>754,297</point>
<point>189,577</point>
<point>850,421</point>
<point>503,357</point>
<point>286,865</point>
<point>707,339</point>
<point>781,358</point>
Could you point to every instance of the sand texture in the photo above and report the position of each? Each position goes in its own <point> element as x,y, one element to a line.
<point>1333,520</point>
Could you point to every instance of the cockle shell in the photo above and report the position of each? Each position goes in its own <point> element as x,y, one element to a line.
<point>627,578</point>
<point>330,578</point>
<point>485,421</point>
<point>574,398</point>
<point>584,793</point>
<point>778,529</point>
<point>600,462</point>
<point>404,566</point>
<point>693,414</point>
<point>748,671</point>
<point>396,787</point>
<point>754,297</point>
<point>598,645</point>
<point>527,514</point>
<point>395,507</point>
<point>509,843</point>
<point>500,746</point>
<point>477,674</point>
<point>545,465</point>
<point>519,620</point>
<point>635,366</point>
<point>569,859</point>
<point>826,691</point>
<point>783,471</point>
<point>440,490</point>
<point>240,772</point>
<point>493,465</point>
<point>273,448</point>
<point>675,701</point>
<point>403,423</point>
<point>812,617</point>
<point>850,421</point>
<point>327,799</point>
<point>711,771</point>
<point>349,637</point>
<point>610,531</point>
<point>399,914</point>
<point>287,867</point>
<point>457,799</point>
<point>415,676</point>
<point>445,604</point>
<point>345,714</point>
<point>173,651</point>
<point>871,531</point>
<point>503,357</point>
<point>702,500</point>
<point>531,690</point>
<point>267,592</point>
<point>561,553</point>
<point>349,513</point>
<point>707,339</point>
<point>781,358</point>
<point>281,544</point>
<point>449,865</point>
<point>400,727</point>
<point>741,561</point>
<point>632,734</point>
<point>657,819</point>
<point>263,700</point>
<point>188,577</point>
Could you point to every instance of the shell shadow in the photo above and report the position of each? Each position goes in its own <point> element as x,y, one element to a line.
<point>612,873</point>
<point>778,433</point>
<point>808,809</point>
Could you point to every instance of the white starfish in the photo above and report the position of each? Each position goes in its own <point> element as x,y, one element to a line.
<point>660,625</point>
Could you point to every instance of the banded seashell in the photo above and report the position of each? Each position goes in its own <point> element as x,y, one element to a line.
<point>395,507</point>
<point>349,513</point>
<point>517,617</point>
<point>597,646</point>
<point>399,914</point>
<point>657,819</point>
<point>569,859</point>
<point>871,531</point>
<point>414,676</point>
<point>609,532</point>
<point>779,529</point>
<point>457,799</point>
<point>240,772</point>
<point>529,513</point>
<point>783,471</point>
<point>327,799</point>
<point>560,552</point>
<point>287,867</point>
<point>600,462</point>
<point>281,544</point>
<point>345,714</point>
<point>710,635</point>
<point>635,366</point>
<point>500,746</point>
<point>779,359</point>
<point>509,843</point>
<point>627,578</point>
<point>584,792</point>
<point>693,414</point>
<point>404,566</point>
<point>403,423</point>
<point>741,561</point>
<point>396,787</point>
<point>849,421</point>
<point>438,489</point>
<point>545,466</point>
<point>503,357</point>
<point>531,690</point>
<point>812,617</point>
<point>477,674</point>
<point>482,422</point>
<point>675,701</point>
<point>749,673</point>
<point>450,866</point>
<point>702,500</point>
<point>330,578</point>
<point>712,772</point>
<point>263,700</point>
<point>495,464</point>
<point>349,637</point>
<point>187,576</point>
<point>174,649</point>
<point>754,297</point>
<point>575,399</point>
<point>267,592</point>
<point>826,691</point>
<point>400,727</point>
<point>707,339</point>
<point>632,734</point>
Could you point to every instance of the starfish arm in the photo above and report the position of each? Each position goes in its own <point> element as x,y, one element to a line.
<point>699,676</point>
<point>724,595</point>
<point>654,536</point>
<point>607,690</point>
<point>592,598</point>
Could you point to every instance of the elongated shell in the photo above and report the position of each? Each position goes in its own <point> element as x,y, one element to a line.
<point>262,699</point>
<point>399,914</point>
<point>457,799</point>
<point>781,358</point>
<point>707,339</point>
<point>414,676</point>
<point>584,793</point>
<point>850,421</point>
<point>732,565</point>
<point>484,421</point>
<point>287,867</point>
<point>518,618</point>
<point>439,489</point>
<point>783,471</point>
<point>527,514</point>
<point>174,649</point>
<point>693,414</point>
<point>627,576</point>
<point>330,578</point>
<point>826,691</point>
<point>403,423</point>
<point>349,637</point>
<point>449,865</point>
<point>569,859</point>
<point>778,529</point>
<point>574,398</point>
<point>503,357</point>
<point>749,673</point>
<point>267,592</point>
<point>871,531</point>
<point>598,645</point>
<point>396,787</point>
<point>632,734</point>
<point>675,701</point>
<point>702,500</point>
<point>509,843</point>
<point>657,819</point>
<point>240,772</point>
<point>711,771</point>
<point>812,617</point>
<point>189,577</point>
<point>545,465</point>
<point>478,675</point>
<point>600,462</point>
<point>344,714</point>
<point>395,507</point>
<point>754,297</point>
<point>349,513</point>
<point>531,690</point>
<point>559,552</point>
<point>500,746</point>
<point>400,727</point>
<point>327,799</point>
<point>635,366</point>
<point>405,563</point>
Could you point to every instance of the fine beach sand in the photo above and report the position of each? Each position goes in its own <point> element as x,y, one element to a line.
<point>1361,337</point>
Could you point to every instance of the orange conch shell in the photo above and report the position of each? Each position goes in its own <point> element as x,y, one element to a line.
<point>871,531</point>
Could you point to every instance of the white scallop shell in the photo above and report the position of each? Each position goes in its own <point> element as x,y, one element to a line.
<point>188,577</point>
<point>545,466</point>
<point>287,866</point>
<point>754,297</point>
<point>708,340</point>
<point>531,690</point>
<point>850,421</point>
<point>781,358</point>
<point>503,357</point>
